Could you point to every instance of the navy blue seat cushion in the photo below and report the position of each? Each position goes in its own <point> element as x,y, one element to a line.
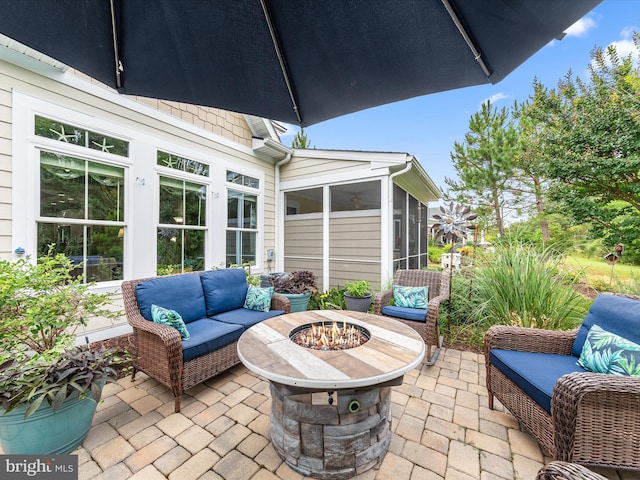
<point>535,373</point>
<point>224,289</point>
<point>416,314</point>
<point>182,293</point>
<point>245,317</point>
<point>207,335</point>
<point>615,314</point>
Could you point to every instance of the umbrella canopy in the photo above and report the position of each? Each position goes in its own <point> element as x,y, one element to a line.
<point>298,61</point>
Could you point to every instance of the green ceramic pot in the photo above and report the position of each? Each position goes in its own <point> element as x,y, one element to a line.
<point>299,301</point>
<point>46,431</point>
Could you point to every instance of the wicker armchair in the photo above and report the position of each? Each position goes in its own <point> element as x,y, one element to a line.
<point>158,349</point>
<point>438,283</point>
<point>595,418</point>
<point>567,471</point>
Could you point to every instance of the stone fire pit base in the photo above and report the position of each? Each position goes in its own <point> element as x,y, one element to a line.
<point>331,435</point>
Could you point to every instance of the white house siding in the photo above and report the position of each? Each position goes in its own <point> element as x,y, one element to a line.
<point>222,138</point>
<point>5,169</point>
<point>303,246</point>
<point>305,168</point>
<point>354,249</point>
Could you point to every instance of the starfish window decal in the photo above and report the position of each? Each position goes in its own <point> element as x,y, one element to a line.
<point>62,135</point>
<point>103,146</point>
<point>454,222</point>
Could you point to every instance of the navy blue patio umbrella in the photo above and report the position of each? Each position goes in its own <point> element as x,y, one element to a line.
<point>297,61</point>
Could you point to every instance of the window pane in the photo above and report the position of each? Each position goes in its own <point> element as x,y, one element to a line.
<point>241,248</point>
<point>169,249</point>
<point>106,144</point>
<point>105,192</point>
<point>233,208</point>
<point>61,186</point>
<point>183,164</point>
<point>250,213</point>
<point>171,201</point>
<point>355,196</point>
<point>104,253</point>
<point>180,250</point>
<point>193,250</point>
<point>62,132</point>
<point>413,227</point>
<point>240,179</point>
<point>304,201</point>
<point>195,204</point>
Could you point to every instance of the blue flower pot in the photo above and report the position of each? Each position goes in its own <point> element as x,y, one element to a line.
<point>46,431</point>
<point>299,301</point>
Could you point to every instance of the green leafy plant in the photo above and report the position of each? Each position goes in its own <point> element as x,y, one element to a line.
<point>301,281</point>
<point>41,307</point>
<point>357,288</point>
<point>524,284</point>
<point>332,299</point>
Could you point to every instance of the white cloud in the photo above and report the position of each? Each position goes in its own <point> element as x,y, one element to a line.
<point>496,97</point>
<point>291,129</point>
<point>581,27</point>
<point>625,46</point>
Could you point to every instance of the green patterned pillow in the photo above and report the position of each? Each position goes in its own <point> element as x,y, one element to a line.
<point>164,316</point>
<point>606,352</point>
<point>410,297</point>
<point>258,298</point>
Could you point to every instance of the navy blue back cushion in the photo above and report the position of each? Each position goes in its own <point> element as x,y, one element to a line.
<point>182,293</point>
<point>224,290</point>
<point>619,315</point>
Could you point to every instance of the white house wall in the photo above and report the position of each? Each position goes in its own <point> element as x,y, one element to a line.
<point>182,130</point>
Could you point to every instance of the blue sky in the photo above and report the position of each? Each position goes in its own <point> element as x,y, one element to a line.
<point>428,126</point>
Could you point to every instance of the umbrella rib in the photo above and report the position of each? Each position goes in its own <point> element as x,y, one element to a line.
<point>116,55</point>
<point>283,67</point>
<point>476,53</point>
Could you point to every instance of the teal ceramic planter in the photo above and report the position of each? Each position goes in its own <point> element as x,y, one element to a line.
<point>46,431</point>
<point>299,301</point>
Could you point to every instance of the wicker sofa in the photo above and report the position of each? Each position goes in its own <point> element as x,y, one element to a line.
<point>211,305</point>
<point>425,322</point>
<point>576,415</point>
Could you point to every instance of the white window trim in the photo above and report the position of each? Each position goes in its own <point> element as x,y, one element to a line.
<point>259,193</point>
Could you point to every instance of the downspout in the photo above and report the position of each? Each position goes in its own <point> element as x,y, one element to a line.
<point>279,240</point>
<point>386,267</point>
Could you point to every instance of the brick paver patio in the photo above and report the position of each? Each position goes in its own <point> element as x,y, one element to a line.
<point>442,430</point>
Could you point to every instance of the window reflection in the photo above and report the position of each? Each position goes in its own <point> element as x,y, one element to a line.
<point>74,193</point>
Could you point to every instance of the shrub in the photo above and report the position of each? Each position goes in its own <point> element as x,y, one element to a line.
<point>525,285</point>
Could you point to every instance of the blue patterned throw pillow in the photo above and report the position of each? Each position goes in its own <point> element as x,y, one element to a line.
<point>606,352</point>
<point>258,298</point>
<point>164,316</point>
<point>410,297</point>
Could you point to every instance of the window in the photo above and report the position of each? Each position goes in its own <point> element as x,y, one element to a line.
<point>240,179</point>
<point>63,132</point>
<point>181,226</point>
<point>242,227</point>
<point>355,196</point>
<point>183,164</point>
<point>304,201</point>
<point>81,213</point>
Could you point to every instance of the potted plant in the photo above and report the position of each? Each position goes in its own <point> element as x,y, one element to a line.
<point>357,295</point>
<point>46,383</point>
<point>297,287</point>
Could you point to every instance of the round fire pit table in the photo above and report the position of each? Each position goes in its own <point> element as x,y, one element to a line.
<point>330,409</point>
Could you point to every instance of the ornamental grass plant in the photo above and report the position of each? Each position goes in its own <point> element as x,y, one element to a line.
<point>521,284</point>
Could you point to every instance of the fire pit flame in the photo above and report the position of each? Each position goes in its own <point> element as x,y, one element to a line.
<point>322,336</point>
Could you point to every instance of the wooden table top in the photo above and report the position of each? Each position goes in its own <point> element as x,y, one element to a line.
<point>392,350</point>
